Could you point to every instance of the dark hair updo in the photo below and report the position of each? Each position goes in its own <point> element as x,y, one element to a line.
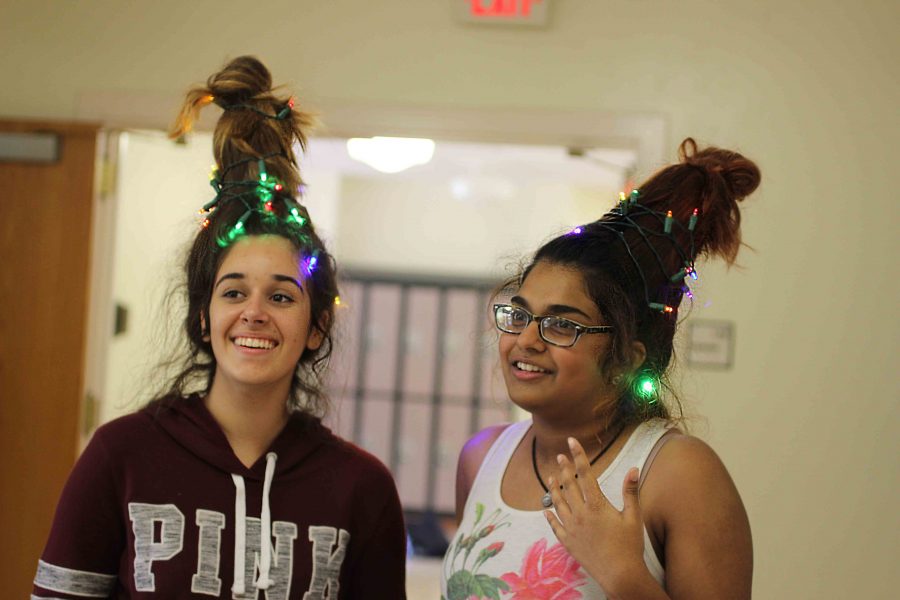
<point>626,262</point>
<point>255,133</point>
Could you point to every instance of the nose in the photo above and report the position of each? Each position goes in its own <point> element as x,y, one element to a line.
<point>530,338</point>
<point>254,311</point>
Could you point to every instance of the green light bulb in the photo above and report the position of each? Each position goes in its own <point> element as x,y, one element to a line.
<point>261,167</point>
<point>297,217</point>
<point>645,388</point>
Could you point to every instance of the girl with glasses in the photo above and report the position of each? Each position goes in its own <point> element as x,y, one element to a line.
<point>600,494</point>
<point>228,485</point>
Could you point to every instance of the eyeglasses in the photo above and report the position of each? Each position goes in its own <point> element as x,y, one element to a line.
<point>553,330</point>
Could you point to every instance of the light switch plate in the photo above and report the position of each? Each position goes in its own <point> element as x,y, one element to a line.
<point>710,344</point>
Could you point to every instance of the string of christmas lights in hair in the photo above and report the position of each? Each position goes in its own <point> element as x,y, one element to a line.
<point>258,196</point>
<point>622,217</point>
<point>625,217</point>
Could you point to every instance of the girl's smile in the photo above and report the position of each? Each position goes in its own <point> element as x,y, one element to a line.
<point>526,371</point>
<point>250,343</point>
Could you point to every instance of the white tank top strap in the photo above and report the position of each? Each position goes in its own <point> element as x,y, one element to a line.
<point>494,464</point>
<point>660,442</point>
<point>633,454</point>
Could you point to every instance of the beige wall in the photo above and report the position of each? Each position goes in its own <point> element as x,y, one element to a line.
<point>806,421</point>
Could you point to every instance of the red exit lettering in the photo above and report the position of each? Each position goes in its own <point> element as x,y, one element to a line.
<point>501,8</point>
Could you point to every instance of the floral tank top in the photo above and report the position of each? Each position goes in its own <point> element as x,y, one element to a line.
<point>502,553</point>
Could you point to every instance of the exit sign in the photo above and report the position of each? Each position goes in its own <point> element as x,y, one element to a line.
<point>502,12</point>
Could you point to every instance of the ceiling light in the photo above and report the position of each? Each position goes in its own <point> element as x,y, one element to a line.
<point>391,154</point>
<point>460,189</point>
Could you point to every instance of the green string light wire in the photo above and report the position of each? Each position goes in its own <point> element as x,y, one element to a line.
<point>281,115</point>
<point>258,196</point>
<point>644,232</point>
<point>627,210</point>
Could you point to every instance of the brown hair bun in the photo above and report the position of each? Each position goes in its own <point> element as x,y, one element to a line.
<point>242,80</point>
<point>712,180</point>
<point>254,123</point>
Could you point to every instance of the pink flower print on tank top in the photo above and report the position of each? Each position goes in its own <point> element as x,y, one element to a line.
<point>546,573</point>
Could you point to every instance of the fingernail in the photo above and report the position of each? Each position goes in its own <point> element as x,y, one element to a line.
<point>550,482</point>
<point>571,441</point>
<point>560,458</point>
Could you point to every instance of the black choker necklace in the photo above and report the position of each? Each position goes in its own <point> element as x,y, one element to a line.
<point>546,499</point>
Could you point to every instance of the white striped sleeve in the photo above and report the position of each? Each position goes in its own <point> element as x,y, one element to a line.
<point>71,581</point>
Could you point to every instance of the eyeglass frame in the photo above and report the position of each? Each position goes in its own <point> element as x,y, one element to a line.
<point>539,319</point>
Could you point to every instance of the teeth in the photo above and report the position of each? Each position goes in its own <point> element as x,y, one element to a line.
<point>531,368</point>
<point>248,342</point>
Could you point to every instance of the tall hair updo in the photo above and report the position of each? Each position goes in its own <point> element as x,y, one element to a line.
<point>254,142</point>
<point>626,262</point>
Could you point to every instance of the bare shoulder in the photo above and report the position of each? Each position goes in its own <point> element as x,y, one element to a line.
<point>695,509</point>
<point>686,471</point>
<point>685,455</point>
<point>470,458</point>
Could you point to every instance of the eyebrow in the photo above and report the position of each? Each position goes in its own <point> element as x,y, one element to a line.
<point>288,279</point>
<point>276,277</point>
<point>553,309</point>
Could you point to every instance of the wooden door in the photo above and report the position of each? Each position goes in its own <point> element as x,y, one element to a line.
<point>45,233</point>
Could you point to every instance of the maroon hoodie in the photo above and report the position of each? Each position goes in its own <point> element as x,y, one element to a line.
<point>159,506</point>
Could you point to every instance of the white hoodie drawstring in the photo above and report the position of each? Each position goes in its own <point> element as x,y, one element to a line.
<point>240,530</point>
<point>265,551</point>
<point>240,533</point>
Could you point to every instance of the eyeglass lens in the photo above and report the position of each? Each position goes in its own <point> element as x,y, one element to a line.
<point>555,330</point>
